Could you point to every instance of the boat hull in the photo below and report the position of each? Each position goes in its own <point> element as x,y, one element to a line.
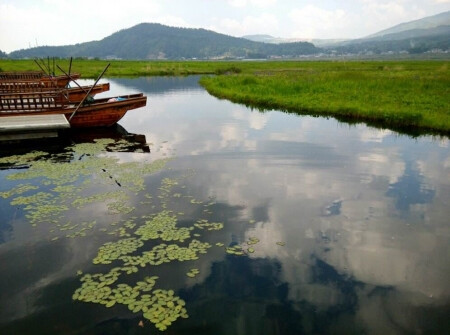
<point>60,81</point>
<point>77,94</point>
<point>99,118</point>
<point>103,113</point>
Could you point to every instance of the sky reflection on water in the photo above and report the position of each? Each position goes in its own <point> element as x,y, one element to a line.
<point>361,214</point>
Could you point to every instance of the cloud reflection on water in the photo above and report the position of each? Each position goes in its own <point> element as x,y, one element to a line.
<point>295,167</point>
<point>363,213</point>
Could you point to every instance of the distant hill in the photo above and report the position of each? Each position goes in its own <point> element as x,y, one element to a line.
<point>278,40</point>
<point>413,33</point>
<point>271,39</point>
<point>425,35</point>
<point>156,41</point>
<point>261,38</point>
<point>429,22</point>
<point>418,36</point>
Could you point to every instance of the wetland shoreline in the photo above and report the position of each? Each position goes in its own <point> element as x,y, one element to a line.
<point>408,96</point>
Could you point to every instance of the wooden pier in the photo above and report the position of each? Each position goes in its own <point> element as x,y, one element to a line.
<point>28,127</point>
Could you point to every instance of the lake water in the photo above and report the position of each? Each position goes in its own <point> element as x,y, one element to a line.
<point>300,225</point>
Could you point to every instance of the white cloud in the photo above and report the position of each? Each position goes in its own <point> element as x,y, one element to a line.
<point>173,21</point>
<point>58,22</point>
<point>312,21</point>
<point>255,120</point>
<point>49,22</point>
<point>385,14</point>
<point>256,3</point>
<point>237,3</point>
<point>265,23</point>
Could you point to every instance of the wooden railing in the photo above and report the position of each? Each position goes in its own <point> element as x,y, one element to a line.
<point>21,75</point>
<point>16,102</point>
<point>22,86</point>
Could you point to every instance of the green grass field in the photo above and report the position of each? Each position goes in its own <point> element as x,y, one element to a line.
<point>392,94</point>
<point>93,68</point>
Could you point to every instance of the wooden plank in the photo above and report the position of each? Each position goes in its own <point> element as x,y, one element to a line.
<point>33,123</point>
<point>13,137</point>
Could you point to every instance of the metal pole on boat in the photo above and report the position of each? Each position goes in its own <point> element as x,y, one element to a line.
<point>70,65</point>
<point>87,94</point>
<point>39,65</point>
<point>71,78</point>
<point>48,69</point>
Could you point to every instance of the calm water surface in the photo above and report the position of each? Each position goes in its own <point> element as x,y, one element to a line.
<point>350,225</point>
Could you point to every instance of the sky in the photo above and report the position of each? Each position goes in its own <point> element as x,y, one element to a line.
<point>30,23</point>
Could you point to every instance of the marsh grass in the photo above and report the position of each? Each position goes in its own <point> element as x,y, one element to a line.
<point>118,68</point>
<point>404,94</point>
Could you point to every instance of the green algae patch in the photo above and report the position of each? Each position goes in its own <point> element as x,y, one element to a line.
<point>19,189</point>
<point>54,185</point>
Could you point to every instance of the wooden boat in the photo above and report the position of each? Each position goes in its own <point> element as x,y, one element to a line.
<point>26,75</point>
<point>72,94</point>
<point>98,113</point>
<point>60,81</point>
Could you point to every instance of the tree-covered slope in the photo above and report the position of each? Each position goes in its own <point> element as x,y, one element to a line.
<point>156,41</point>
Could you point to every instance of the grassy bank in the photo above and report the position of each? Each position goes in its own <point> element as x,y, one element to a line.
<point>92,68</point>
<point>397,95</point>
<point>392,94</point>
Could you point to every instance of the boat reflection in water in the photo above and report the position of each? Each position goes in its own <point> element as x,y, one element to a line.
<point>134,142</point>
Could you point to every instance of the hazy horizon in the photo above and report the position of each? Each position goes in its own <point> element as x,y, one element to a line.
<point>28,23</point>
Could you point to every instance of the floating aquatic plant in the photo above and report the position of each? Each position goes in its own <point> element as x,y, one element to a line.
<point>140,241</point>
<point>235,250</point>
<point>60,185</point>
<point>111,251</point>
<point>192,273</point>
<point>252,240</point>
<point>19,189</point>
<point>24,159</point>
<point>204,224</point>
<point>163,226</point>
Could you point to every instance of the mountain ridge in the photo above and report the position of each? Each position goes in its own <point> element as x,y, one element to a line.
<point>441,19</point>
<point>157,41</point>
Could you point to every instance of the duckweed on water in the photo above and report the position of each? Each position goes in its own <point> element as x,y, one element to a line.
<point>147,241</point>
<point>252,240</point>
<point>204,224</point>
<point>160,307</point>
<point>19,189</point>
<point>113,250</point>
<point>76,184</point>
<point>192,273</point>
<point>235,250</point>
<point>163,226</point>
